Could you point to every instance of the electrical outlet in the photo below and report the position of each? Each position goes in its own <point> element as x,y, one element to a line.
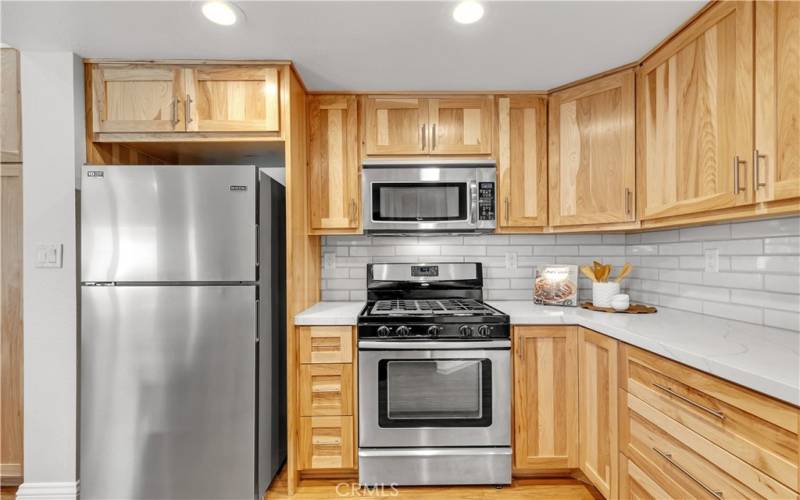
<point>712,260</point>
<point>329,261</point>
<point>511,261</point>
<point>49,255</point>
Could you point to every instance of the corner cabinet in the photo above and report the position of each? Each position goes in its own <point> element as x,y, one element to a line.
<point>545,397</point>
<point>181,99</point>
<point>408,125</point>
<point>592,163</point>
<point>334,166</point>
<point>597,379</point>
<point>521,154</point>
<point>696,118</point>
<point>776,158</point>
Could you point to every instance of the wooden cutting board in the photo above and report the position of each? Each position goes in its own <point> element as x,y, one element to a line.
<point>633,309</point>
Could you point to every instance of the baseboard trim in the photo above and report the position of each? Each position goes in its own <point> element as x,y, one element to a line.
<point>48,491</point>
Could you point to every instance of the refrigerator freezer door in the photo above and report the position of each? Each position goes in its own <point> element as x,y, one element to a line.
<point>168,392</point>
<point>168,223</point>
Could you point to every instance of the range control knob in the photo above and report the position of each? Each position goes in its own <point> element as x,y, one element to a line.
<point>434,331</point>
<point>403,331</point>
<point>383,331</point>
<point>484,331</point>
<point>465,331</point>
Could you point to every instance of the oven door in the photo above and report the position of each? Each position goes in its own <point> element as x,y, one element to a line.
<point>412,199</point>
<point>431,394</point>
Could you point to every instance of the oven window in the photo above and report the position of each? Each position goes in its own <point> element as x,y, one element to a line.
<point>421,201</point>
<point>435,393</point>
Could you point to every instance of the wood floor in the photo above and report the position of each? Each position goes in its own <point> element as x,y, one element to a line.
<point>8,493</point>
<point>319,489</point>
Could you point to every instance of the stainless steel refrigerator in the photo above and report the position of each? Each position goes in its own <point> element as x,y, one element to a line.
<point>182,332</point>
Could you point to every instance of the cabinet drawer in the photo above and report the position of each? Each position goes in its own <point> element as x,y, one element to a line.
<point>757,429</point>
<point>326,390</point>
<point>676,454</point>
<point>636,483</point>
<point>326,344</point>
<point>326,443</point>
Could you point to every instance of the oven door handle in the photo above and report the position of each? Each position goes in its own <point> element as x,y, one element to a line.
<point>384,345</point>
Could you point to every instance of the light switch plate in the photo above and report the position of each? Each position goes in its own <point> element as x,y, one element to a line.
<point>49,255</point>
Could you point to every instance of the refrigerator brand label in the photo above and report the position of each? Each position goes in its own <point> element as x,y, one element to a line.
<point>238,188</point>
<point>94,173</point>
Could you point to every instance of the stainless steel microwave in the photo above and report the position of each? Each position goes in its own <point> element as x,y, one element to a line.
<point>425,196</point>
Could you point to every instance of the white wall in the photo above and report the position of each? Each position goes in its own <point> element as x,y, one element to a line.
<point>53,149</point>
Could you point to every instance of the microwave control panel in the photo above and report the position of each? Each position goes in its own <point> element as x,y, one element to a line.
<point>486,201</point>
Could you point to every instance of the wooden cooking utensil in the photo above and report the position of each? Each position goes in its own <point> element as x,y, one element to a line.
<point>589,273</point>
<point>626,270</point>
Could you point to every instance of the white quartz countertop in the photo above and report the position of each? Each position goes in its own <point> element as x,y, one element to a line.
<point>760,358</point>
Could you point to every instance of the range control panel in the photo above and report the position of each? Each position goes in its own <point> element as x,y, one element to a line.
<point>486,201</point>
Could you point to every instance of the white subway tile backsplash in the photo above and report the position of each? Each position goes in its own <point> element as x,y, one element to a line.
<point>758,279</point>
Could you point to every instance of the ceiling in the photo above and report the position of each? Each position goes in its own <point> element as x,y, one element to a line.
<point>365,45</point>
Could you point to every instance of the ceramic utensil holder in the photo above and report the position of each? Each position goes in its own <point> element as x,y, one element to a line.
<point>602,293</point>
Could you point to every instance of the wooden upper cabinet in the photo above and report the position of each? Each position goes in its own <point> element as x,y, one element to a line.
<point>460,125</point>
<point>545,397</point>
<point>777,101</point>
<point>137,98</point>
<point>695,115</point>
<point>333,178</point>
<point>233,98</point>
<point>521,154</point>
<point>10,124</point>
<point>597,370</point>
<point>396,126</point>
<point>592,170</point>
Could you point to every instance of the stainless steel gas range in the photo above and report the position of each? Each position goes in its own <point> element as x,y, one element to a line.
<point>434,378</point>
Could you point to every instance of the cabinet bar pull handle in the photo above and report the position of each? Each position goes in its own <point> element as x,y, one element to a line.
<point>737,187</point>
<point>188,109</point>
<point>433,137</point>
<point>175,102</point>
<point>628,200</point>
<point>506,203</point>
<point>706,409</point>
<point>757,170</point>
<point>668,457</point>
<point>424,138</point>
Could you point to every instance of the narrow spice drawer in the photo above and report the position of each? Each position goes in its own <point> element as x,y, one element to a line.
<point>686,461</point>
<point>326,443</point>
<point>326,390</point>
<point>755,428</point>
<point>635,482</point>
<point>326,344</point>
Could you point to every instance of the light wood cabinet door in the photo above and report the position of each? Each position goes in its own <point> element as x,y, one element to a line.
<point>326,390</point>
<point>545,397</point>
<point>396,126</point>
<point>592,152</point>
<point>137,98</point>
<point>635,483</point>
<point>460,125</point>
<point>232,98</point>
<point>326,344</point>
<point>696,118</point>
<point>326,443</point>
<point>522,161</point>
<point>333,180</point>
<point>777,94</point>
<point>598,410</point>
<point>10,124</point>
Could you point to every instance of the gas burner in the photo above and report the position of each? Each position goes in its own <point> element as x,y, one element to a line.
<point>463,307</point>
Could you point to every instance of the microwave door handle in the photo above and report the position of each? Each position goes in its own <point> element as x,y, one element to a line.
<point>473,192</point>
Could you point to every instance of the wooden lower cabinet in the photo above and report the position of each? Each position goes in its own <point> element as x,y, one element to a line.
<point>327,443</point>
<point>597,380</point>
<point>635,483</point>
<point>545,397</point>
<point>326,344</point>
<point>326,389</point>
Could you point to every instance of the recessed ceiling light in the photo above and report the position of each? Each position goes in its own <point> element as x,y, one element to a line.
<point>221,12</point>
<point>468,12</point>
